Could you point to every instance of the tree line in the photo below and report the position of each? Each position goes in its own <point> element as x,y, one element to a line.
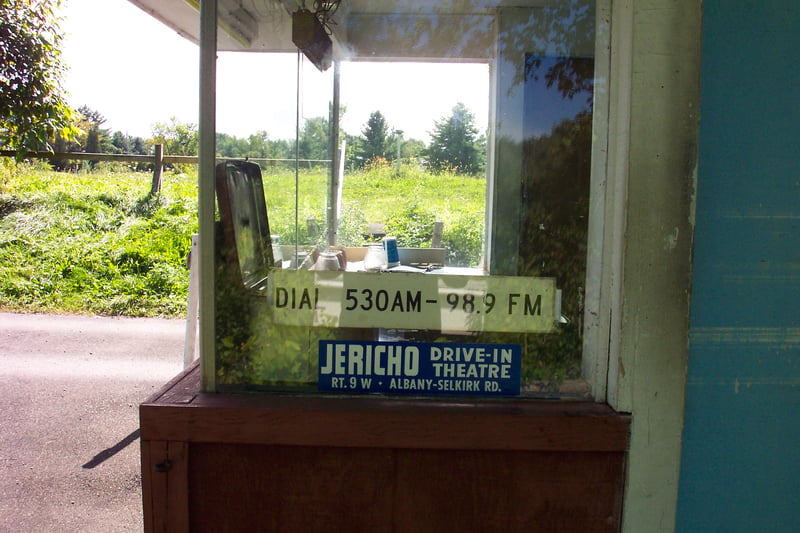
<point>34,115</point>
<point>455,142</point>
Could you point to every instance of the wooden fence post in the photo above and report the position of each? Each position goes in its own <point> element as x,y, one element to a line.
<point>158,166</point>
<point>438,230</point>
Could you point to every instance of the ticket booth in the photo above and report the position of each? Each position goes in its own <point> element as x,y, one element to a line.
<point>384,385</point>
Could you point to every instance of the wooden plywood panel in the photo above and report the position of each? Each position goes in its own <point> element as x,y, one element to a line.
<point>154,487</point>
<point>281,463</point>
<point>508,491</point>
<point>178,412</point>
<point>289,488</point>
<point>164,486</point>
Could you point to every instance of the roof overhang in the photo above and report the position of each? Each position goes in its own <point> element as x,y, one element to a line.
<point>454,30</point>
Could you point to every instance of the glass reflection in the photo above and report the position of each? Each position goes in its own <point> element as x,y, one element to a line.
<point>536,148</point>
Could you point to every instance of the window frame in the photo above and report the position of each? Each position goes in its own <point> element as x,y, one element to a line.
<point>607,198</point>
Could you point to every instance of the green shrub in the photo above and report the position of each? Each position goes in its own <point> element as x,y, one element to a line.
<point>413,226</point>
<point>463,240</point>
<point>351,226</point>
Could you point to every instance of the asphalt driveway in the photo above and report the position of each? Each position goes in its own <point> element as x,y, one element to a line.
<point>70,387</point>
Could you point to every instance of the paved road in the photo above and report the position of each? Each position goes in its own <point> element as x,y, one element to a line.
<point>69,394</point>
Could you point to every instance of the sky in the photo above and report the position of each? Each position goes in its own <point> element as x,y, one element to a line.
<point>138,72</point>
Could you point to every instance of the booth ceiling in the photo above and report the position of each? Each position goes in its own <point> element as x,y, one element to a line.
<point>455,30</point>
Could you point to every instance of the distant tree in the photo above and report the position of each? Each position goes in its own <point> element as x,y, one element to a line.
<point>121,142</point>
<point>76,142</point>
<point>455,143</point>
<point>314,139</point>
<point>229,146</point>
<point>33,108</point>
<point>281,149</point>
<point>374,141</point>
<point>351,151</point>
<point>91,115</point>
<point>90,138</point>
<point>139,146</point>
<point>258,144</point>
<point>98,140</point>
<point>412,149</point>
<point>394,145</point>
<point>178,138</point>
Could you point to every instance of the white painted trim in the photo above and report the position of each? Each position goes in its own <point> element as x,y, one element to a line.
<point>206,189</point>
<point>620,82</point>
<point>595,330</point>
<point>190,337</point>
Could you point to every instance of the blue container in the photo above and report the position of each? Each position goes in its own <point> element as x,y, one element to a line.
<point>392,256</point>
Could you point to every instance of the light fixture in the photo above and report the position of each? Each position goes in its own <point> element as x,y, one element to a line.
<point>309,35</point>
<point>310,32</point>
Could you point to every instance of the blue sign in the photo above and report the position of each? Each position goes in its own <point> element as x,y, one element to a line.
<point>420,368</point>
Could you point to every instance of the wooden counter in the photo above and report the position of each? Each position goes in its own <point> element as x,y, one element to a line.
<point>268,462</point>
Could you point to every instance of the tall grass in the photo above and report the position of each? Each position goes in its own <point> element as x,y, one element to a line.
<point>407,201</point>
<point>95,242</point>
<point>98,242</point>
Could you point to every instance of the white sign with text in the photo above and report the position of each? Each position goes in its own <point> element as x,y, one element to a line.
<point>413,301</point>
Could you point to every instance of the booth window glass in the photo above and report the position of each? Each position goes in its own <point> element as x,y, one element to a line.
<point>373,228</point>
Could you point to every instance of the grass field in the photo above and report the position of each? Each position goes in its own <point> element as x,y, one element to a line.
<point>98,242</point>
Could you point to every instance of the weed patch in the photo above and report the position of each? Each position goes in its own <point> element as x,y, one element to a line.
<point>100,243</point>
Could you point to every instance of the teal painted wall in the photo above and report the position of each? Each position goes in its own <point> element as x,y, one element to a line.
<point>740,466</point>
